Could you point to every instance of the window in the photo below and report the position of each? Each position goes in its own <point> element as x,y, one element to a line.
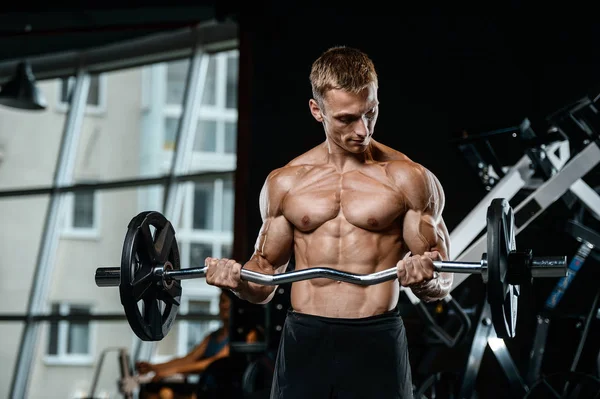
<point>192,332</point>
<point>216,130</point>
<point>197,330</point>
<point>82,215</point>
<point>96,100</point>
<point>69,340</point>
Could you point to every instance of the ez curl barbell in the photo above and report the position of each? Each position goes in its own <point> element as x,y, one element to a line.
<point>150,272</point>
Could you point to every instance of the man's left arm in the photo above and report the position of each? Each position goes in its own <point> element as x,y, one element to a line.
<point>425,235</point>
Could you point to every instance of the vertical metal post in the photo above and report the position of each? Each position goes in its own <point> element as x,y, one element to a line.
<point>186,132</point>
<point>50,233</point>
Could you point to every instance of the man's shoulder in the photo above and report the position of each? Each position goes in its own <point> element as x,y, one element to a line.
<point>312,157</point>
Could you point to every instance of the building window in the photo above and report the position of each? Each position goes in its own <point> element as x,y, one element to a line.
<point>197,330</point>
<point>216,130</point>
<point>69,340</point>
<point>82,214</point>
<point>83,209</point>
<point>96,100</point>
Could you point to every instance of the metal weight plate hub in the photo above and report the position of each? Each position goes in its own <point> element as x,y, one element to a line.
<point>150,303</point>
<point>502,296</point>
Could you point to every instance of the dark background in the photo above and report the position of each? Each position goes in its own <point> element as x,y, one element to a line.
<point>439,74</point>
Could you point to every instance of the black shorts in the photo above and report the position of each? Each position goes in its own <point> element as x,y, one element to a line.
<point>321,357</point>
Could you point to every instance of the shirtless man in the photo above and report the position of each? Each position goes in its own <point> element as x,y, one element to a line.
<point>359,206</point>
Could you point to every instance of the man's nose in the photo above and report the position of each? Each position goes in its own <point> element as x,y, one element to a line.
<point>362,128</point>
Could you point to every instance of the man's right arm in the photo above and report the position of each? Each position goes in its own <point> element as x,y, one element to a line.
<point>273,247</point>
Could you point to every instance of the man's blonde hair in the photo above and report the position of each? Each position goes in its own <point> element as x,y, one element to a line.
<point>343,68</point>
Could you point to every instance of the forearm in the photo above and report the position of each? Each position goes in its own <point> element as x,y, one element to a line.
<point>252,292</point>
<point>434,289</point>
<point>169,365</point>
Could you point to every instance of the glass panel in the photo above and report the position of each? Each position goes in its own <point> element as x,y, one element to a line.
<point>171,125</point>
<point>53,334</point>
<point>66,89</point>
<point>94,90</point>
<point>176,80</point>
<point>199,252</point>
<point>73,380</point>
<point>30,141</point>
<point>209,95</point>
<point>203,206</point>
<point>197,330</point>
<point>206,136</point>
<point>133,136</point>
<point>83,209</point>
<point>11,337</point>
<point>232,81</point>
<point>230,137</point>
<point>226,251</point>
<point>227,206</point>
<point>79,332</point>
<point>23,219</point>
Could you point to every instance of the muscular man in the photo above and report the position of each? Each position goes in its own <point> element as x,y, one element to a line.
<point>356,205</point>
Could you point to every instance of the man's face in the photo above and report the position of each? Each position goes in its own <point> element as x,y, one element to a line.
<point>349,119</point>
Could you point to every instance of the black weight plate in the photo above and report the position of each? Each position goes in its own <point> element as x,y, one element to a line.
<point>502,296</point>
<point>150,304</point>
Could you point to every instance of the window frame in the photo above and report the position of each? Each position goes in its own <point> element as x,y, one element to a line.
<point>90,109</point>
<point>71,232</point>
<point>62,358</point>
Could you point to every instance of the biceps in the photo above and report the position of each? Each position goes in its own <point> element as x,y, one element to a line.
<point>274,243</point>
<point>421,232</point>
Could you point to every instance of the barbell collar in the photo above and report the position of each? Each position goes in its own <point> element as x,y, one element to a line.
<point>457,267</point>
<point>108,276</point>
<point>548,266</point>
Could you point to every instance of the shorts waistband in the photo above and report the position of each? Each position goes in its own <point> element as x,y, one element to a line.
<point>390,315</point>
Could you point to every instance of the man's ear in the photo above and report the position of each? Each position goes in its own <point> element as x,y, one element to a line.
<point>315,110</point>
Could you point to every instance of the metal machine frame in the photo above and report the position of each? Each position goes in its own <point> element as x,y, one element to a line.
<point>563,178</point>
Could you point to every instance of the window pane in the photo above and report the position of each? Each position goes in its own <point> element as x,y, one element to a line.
<point>22,221</point>
<point>230,137</point>
<point>232,81</point>
<point>11,335</point>
<point>53,332</point>
<point>199,252</point>
<point>30,141</point>
<point>65,90</point>
<point>78,337</point>
<point>206,136</point>
<point>203,206</point>
<point>78,340</point>
<point>226,251</point>
<point>171,125</point>
<point>128,139</point>
<point>209,94</point>
<point>83,209</point>
<point>176,80</point>
<point>228,204</point>
<point>94,91</point>
<point>197,330</point>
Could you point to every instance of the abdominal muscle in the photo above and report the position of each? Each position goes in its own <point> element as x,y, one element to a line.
<point>358,251</point>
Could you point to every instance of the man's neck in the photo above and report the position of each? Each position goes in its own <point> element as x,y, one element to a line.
<point>344,160</point>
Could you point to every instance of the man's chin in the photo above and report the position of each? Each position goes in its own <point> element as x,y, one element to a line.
<point>357,148</point>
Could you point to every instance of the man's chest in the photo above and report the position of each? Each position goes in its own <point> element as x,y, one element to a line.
<point>368,202</point>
